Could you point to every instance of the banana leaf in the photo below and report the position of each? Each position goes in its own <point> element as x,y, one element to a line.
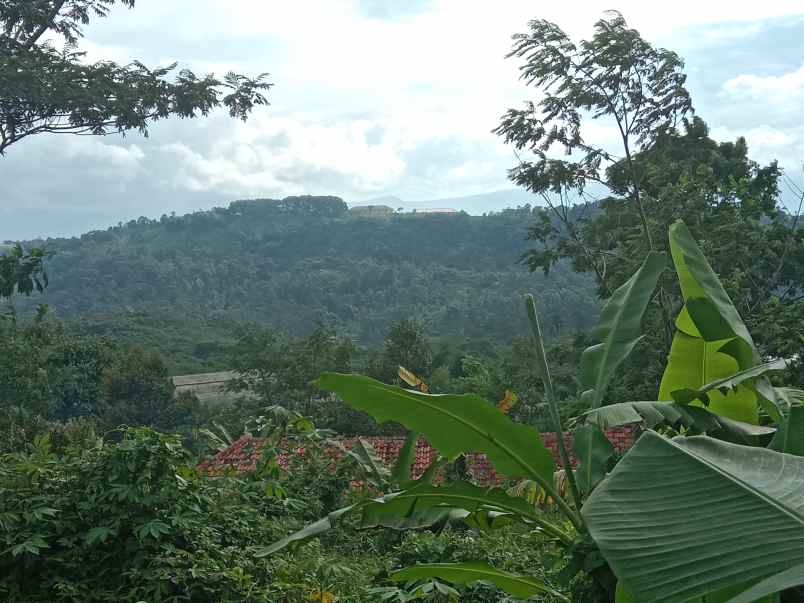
<point>694,418</point>
<point>454,424</point>
<point>485,507</point>
<point>711,341</point>
<point>684,518</point>
<point>471,572</point>
<point>618,330</point>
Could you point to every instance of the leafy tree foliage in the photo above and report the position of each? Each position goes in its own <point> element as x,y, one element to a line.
<point>50,90</point>
<point>405,345</point>
<point>669,169</point>
<point>21,271</point>
<point>133,521</point>
<point>138,391</point>
<point>298,262</point>
<point>49,373</point>
<point>76,367</point>
<point>616,74</point>
<point>24,388</point>
<point>280,369</point>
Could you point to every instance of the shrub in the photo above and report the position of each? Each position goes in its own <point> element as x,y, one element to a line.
<point>129,522</point>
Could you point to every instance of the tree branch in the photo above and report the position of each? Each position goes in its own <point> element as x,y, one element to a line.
<point>47,24</point>
<point>789,243</point>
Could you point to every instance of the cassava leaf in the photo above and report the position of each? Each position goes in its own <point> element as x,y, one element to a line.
<point>99,534</point>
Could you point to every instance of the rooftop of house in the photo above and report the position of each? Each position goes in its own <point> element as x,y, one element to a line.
<point>245,453</point>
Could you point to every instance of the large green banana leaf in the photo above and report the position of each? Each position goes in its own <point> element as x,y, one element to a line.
<point>696,419</point>
<point>776,583</point>
<point>430,516</point>
<point>312,530</point>
<point>693,363</point>
<point>470,572</point>
<point>415,506</point>
<point>790,437</point>
<point>594,451</point>
<point>618,330</point>
<point>454,424</point>
<point>711,341</point>
<point>366,457</point>
<point>679,519</point>
<point>400,473</point>
<point>729,384</point>
<point>699,281</point>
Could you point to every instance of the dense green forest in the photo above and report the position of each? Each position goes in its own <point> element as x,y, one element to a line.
<point>294,263</point>
<point>670,309</point>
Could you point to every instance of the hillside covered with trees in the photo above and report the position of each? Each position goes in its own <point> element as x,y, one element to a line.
<point>298,262</point>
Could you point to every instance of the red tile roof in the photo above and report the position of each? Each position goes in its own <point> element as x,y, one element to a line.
<point>245,453</point>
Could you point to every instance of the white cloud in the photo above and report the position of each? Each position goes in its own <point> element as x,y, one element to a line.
<point>365,106</point>
<point>767,143</point>
<point>287,154</point>
<point>785,89</point>
<point>125,160</point>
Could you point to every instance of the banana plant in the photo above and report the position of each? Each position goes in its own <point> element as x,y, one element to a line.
<point>460,424</point>
<point>694,519</point>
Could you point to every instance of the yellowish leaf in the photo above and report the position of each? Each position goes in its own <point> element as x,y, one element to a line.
<point>508,402</point>
<point>412,380</point>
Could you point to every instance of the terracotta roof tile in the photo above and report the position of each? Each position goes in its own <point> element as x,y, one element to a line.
<point>245,453</point>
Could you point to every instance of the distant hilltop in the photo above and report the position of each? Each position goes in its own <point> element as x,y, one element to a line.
<point>381,211</point>
<point>475,205</point>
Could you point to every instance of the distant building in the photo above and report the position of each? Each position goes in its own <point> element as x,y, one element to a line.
<point>372,211</point>
<point>436,210</point>
<point>208,387</point>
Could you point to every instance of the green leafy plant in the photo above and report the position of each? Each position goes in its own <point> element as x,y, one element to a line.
<point>127,521</point>
<point>622,522</point>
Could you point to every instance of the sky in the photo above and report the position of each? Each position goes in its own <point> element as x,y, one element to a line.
<point>374,98</point>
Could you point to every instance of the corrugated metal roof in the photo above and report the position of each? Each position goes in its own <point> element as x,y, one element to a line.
<point>207,387</point>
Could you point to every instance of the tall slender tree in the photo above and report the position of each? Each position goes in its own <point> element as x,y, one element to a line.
<point>666,168</point>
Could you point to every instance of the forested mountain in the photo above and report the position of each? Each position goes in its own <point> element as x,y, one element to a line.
<point>295,262</point>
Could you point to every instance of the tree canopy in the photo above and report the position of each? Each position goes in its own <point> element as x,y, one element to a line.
<point>668,168</point>
<point>47,85</point>
<point>296,262</point>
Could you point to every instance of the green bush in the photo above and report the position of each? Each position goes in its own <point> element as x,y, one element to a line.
<point>130,522</point>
